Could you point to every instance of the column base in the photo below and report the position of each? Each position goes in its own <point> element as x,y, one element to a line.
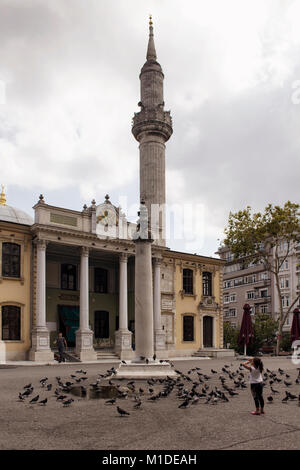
<point>123,344</point>
<point>137,370</point>
<point>84,345</point>
<point>40,349</point>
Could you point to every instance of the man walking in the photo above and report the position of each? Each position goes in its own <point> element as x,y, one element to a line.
<point>61,345</point>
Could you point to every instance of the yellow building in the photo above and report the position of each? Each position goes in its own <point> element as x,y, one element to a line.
<point>15,282</point>
<point>192,308</point>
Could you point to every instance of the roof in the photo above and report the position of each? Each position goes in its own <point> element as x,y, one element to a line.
<point>14,215</point>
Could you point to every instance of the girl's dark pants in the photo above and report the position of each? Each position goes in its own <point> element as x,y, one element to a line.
<point>257,390</point>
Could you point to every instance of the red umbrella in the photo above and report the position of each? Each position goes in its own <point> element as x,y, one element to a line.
<point>295,330</point>
<point>246,331</point>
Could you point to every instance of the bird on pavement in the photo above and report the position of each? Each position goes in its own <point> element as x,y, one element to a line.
<point>68,402</point>
<point>111,402</point>
<point>35,399</point>
<point>43,402</point>
<point>122,412</point>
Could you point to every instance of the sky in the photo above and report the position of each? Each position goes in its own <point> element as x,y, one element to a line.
<point>69,87</point>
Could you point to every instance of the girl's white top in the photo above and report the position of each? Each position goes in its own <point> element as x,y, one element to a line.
<point>255,376</point>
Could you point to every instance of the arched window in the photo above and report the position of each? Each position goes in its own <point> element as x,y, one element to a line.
<point>207,283</point>
<point>10,260</point>
<point>100,280</point>
<point>188,328</point>
<point>68,276</point>
<point>11,323</point>
<point>187,281</point>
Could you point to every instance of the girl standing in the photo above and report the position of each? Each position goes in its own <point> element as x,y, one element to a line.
<point>255,366</point>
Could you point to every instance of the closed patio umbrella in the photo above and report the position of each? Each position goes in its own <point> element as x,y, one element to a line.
<point>295,329</point>
<point>246,331</point>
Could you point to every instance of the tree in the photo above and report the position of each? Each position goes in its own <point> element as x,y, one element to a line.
<point>267,238</point>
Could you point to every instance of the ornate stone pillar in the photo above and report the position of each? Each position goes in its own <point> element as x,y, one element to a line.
<point>159,334</point>
<point>40,347</point>
<point>123,337</point>
<point>84,336</point>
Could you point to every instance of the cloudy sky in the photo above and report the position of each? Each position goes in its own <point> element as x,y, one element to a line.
<point>69,85</point>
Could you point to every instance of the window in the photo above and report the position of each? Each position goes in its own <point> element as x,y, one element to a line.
<point>238,281</point>
<point>207,283</point>
<point>264,293</point>
<point>250,294</point>
<point>232,312</point>
<point>229,284</point>
<point>188,328</point>
<point>68,276</point>
<point>233,298</point>
<point>226,313</point>
<point>10,260</point>
<point>264,309</point>
<point>187,281</point>
<point>100,280</point>
<point>226,298</point>
<point>11,323</point>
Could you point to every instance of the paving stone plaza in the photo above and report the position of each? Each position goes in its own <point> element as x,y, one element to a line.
<point>94,424</point>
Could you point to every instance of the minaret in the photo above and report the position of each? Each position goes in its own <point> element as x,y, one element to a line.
<point>152,127</point>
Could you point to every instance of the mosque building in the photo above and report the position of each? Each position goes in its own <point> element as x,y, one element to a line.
<point>74,271</point>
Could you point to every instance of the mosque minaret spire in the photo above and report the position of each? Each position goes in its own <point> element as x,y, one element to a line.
<point>152,127</point>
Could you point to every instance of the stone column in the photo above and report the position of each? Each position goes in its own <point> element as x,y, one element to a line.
<point>143,300</point>
<point>40,348</point>
<point>84,336</point>
<point>123,337</point>
<point>159,334</point>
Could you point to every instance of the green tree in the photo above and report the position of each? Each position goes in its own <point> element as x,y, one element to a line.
<point>267,238</point>
<point>231,336</point>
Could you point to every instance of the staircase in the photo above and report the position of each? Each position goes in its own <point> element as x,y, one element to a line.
<point>214,352</point>
<point>107,355</point>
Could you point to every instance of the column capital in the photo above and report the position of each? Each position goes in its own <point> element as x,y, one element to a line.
<point>41,244</point>
<point>84,251</point>
<point>123,257</point>
<point>157,261</point>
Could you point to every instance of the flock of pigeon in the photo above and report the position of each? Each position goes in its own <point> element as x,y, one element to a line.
<point>191,388</point>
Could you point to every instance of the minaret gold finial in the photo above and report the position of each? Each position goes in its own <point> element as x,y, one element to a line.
<point>150,20</point>
<point>2,196</point>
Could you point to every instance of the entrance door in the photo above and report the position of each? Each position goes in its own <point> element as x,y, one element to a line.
<point>68,321</point>
<point>101,324</point>
<point>207,332</point>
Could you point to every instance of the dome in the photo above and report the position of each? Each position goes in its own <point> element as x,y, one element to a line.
<point>13,215</point>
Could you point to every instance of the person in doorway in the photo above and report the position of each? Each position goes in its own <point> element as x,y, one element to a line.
<point>61,345</point>
<point>255,366</point>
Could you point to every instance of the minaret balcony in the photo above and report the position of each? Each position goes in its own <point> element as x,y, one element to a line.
<point>153,120</point>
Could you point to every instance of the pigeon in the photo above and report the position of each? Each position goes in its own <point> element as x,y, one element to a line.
<point>124,362</point>
<point>43,402</point>
<point>49,387</point>
<point>68,402</point>
<point>270,399</point>
<point>288,384</point>
<point>27,386</point>
<point>213,371</point>
<point>284,400</point>
<point>111,402</point>
<point>184,404</point>
<point>61,397</point>
<point>137,405</point>
<point>35,399</point>
<point>273,390</point>
<point>122,412</point>
<point>21,397</point>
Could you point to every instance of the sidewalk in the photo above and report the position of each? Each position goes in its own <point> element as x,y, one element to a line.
<point>100,361</point>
